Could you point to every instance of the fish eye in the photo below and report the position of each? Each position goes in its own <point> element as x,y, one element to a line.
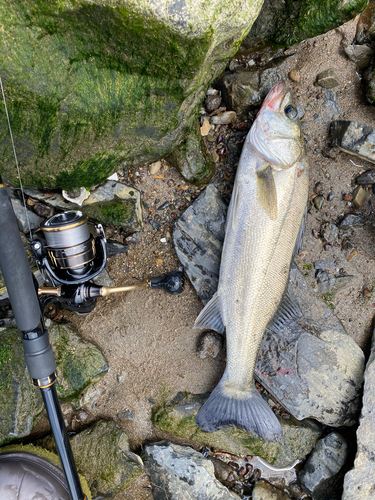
<point>291,111</point>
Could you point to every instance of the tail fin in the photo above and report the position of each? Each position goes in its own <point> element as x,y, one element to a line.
<point>248,412</point>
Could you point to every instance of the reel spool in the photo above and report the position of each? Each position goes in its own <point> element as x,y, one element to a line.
<point>71,255</point>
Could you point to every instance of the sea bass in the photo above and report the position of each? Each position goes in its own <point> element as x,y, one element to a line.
<point>264,220</point>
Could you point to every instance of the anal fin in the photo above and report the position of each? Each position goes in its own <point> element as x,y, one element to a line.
<point>210,316</point>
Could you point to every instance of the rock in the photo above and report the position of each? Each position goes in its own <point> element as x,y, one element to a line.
<point>323,474</point>
<point>264,491</point>
<point>25,216</point>
<point>154,168</point>
<point>79,364</point>
<point>121,82</point>
<point>367,177</point>
<point>328,79</point>
<point>326,282</point>
<point>224,118</point>
<point>101,455</point>
<point>179,472</point>
<point>287,22</point>
<point>212,102</point>
<point>126,416</point>
<point>310,365</point>
<point>209,344</point>
<point>361,55</point>
<point>365,25</point>
<point>351,220</point>
<point>43,210</point>
<point>331,196</point>
<point>318,201</point>
<point>205,128</point>
<point>115,248</point>
<point>198,238</point>
<point>178,418</point>
<point>295,75</point>
<point>354,138</point>
<point>359,482</point>
<point>103,279</point>
<point>359,196</point>
<point>330,233</point>
<point>192,159</point>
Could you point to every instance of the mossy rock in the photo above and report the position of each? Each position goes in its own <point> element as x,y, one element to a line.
<point>178,418</point>
<point>92,86</point>
<point>79,364</point>
<point>286,22</point>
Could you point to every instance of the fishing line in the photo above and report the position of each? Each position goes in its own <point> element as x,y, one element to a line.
<point>15,156</point>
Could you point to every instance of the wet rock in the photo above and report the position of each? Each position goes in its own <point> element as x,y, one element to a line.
<point>359,196</point>
<point>359,482</point>
<point>328,79</point>
<point>192,159</point>
<point>330,233</point>
<point>354,138</point>
<point>106,100</point>
<point>212,102</point>
<point>115,248</point>
<point>310,365</point>
<point>25,216</point>
<point>79,364</point>
<point>209,345</point>
<point>198,237</point>
<point>323,474</point>
<point>264,491</point>
<point>318,201</point>
<point>361,55</point>
<point>43,210</point>
<point>179,472</point>
<point>178,418</point>
<point>351,220</point>
<point>298,20</point>
<point>367,177</point>
<point>224,118</point>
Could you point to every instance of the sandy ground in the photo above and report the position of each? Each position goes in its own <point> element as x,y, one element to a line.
<point>147,336</point>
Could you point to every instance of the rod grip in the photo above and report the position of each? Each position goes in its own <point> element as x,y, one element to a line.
<point>15,268</point>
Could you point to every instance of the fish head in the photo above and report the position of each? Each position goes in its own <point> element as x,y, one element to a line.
<point>276,133</point>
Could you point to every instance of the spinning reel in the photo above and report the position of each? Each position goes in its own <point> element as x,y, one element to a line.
<point>74,252</point>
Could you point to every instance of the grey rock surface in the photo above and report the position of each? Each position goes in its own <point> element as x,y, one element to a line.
<point>179,472</point>
<point>322,475</point>
<point>310,365</point>
<point>198,237</point>
<point>351,220</point>
<point>359,482</point>
<point>354,138</point>
<point>25,216</point>
<point>361,55</point>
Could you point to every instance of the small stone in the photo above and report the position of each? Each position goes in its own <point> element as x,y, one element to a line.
<point>209,344</point>
<point>367,292</point>
<point>323,471</point>
<point>354,138</point>
<point>346,245</point>
<point>154,168</point>
<point>233,64</point>
<point>224,118</point>
<point>330,233</point>
<point>212,102</point>
<point>318,187</point>
<point>163,240</point>
<point>351,220</point>
<point>126,416</point>
<point>43,210</point>
<point>158,262</point>
<point>367,177</point>
<point>115,248</point>
<point>328,79</point>
<point>82,415</point>
<point>347,197</point>
<point>295,75</point>
<point>318,201</point>
<point>205,128</point>
<point>326,282</point>
<point>361,55</point>
<point>352,254</point>
<point>359,196</point>
<point>331,195</point>
<point>265,491</point>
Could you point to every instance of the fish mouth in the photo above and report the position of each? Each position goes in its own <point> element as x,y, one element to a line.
<point>275,95</point>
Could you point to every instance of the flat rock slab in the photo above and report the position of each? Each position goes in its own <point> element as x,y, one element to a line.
<point>180,472</point>
<point>79,364</point>
<point>310,365</point>
<point>359,482</point>
<point>177,417</point>
<point>354,138</point>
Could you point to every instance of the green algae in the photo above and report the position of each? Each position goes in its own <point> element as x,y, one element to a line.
<point>115,212</point>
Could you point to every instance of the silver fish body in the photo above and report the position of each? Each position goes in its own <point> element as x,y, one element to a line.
<point>263,224</point>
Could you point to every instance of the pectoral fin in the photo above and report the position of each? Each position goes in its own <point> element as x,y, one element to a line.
<point>266,191</point>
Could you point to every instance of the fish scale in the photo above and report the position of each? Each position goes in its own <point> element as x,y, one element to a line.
<point>263,225</point>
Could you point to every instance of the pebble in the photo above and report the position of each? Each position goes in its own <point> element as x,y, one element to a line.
<point>328,79</point>
<point>318,201</point>
<point>115,248</point>
<point>154,168</point>
<point>224,118</point>
<point>126,416</point>
<point>295,75</point>
<point>361,55</point>
<point>215,156</point>
<point>352,254</point>
<point>318,187</point>
<point>205,128</point>
<point>212,102</point>
<point>331,195</point>
<point>209,344</point>
<point>330,233</point>
<point>351,220</point>
<point>367,177</point>
<point>326,282</point>
<point>43,210</point>
<point>359,196</point>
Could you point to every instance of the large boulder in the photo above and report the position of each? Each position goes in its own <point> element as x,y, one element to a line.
<point>92,85</point>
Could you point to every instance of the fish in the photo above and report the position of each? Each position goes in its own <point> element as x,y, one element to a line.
<point>264,228</point>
